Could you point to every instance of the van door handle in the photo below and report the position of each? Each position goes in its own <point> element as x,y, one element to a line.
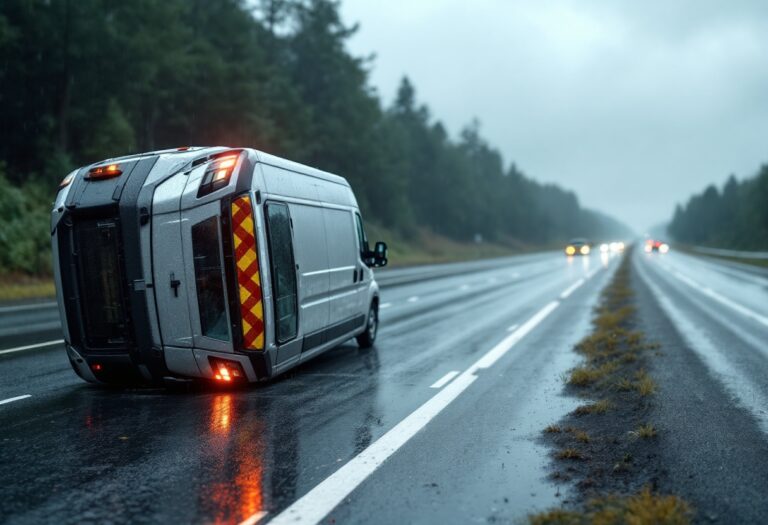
<point>354,279</point>
<point>175,283</point>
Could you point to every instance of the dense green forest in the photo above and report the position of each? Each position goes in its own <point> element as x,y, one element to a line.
<point>83,80</point>
<point>736,217</point>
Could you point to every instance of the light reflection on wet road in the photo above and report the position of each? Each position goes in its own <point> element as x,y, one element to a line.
<point>74,453</point>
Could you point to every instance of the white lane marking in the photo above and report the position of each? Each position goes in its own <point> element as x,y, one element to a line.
<point>440,383</point>
<point>329,493</point>
<point>385,305</point>
<point>23,307</point>
<point>31,347</point>
<point>464,287</point>
<point>572,288</point>
<point>498,351</point>
<point>492,280</point>
<point>592,273</point>
<point>746,392</point>
<point>721,299</point>
<point>17,398</point>
<point>253,520</point>
<point>512,328</point>
<point>413,299</point>
<point>515,275</point>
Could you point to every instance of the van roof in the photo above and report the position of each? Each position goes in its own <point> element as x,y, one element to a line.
<point>196,151</point>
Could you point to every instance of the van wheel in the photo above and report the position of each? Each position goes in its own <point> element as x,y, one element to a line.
<point>367,338</point>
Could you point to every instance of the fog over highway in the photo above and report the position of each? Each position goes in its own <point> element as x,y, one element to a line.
<point>440,422</point>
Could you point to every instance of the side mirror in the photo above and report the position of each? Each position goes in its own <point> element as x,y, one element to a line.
<point>380,254</point>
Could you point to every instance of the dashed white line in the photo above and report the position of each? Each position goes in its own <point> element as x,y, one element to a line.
<point>440,383</point>
<point>572,288</point>
<point>464,287</point>
<point>31,347</point>
<point>385,305</point>
<point>318,502</point>
<point>721,299</point>
<point>413,299</point>
<point>12,399</point>
<point>512,328</point>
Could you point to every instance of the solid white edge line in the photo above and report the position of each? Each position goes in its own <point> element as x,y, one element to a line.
<point>253,520</point>
<point>17,398</point>
<point>568,291</point>
<point>23,307</point>
<point>385,305</point>
<point>329,493</point>
<point>440,383</point>
<point>413,299</point>
<point>721,299</point>
<point>30,347</point>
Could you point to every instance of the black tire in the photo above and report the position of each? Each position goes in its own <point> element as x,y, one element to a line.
<point>368,338</point>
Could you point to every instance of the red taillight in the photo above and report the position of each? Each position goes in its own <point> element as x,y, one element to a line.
<point>104,172</point>
<point>226,371</point>
<point>96,367</point>
<point>217,174</point>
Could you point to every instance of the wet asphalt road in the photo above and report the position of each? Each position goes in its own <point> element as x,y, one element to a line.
<point>74,453</point>
<point>711,410</point>
<point>364,435</point>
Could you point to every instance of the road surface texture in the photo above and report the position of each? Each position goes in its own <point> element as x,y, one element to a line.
<point>439,423</point>
<point>711,319</point>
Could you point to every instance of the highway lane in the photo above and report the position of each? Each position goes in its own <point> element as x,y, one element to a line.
<point>73,452</point>
<point>711,318</point>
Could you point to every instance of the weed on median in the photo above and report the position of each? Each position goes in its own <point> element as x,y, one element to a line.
<point>607,446</point>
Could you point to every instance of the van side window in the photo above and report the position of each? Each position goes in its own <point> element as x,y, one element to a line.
<point>283,271</point>
<point>209,279</point>
<point>364,249</point>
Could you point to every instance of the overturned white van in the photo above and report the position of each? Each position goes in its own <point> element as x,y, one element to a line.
<point>218,263</point>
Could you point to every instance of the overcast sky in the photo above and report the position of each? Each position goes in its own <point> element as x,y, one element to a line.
<point>632,104</point>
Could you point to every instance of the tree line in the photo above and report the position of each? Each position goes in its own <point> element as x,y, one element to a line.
<point>84,80</point>
<point>735,218</point>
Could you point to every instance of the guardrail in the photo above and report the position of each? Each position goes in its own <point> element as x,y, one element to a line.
<point>730,253</point>
<point>389,277</point>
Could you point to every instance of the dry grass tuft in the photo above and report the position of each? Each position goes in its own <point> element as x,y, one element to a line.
<point>598,407</point>
<point>643,508</point>
<point>646,431</point>
<point>569,453</point>
<point>581,436</point>
<point>552,429</point>
<point>644,385</point>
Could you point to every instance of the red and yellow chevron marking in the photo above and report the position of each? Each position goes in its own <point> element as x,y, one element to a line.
<point>248,279</point>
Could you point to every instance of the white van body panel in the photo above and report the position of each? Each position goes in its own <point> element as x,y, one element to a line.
<point>334,287</point>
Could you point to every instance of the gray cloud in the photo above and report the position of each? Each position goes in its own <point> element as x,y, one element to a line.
<point>634,105</point>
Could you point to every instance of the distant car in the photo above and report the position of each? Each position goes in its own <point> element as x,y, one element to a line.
<point>652,245</point>
<point>577,247</point>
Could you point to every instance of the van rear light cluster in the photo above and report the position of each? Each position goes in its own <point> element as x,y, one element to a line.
<point>248,278</point>
<point>217,174</point>
<point>226,371</point>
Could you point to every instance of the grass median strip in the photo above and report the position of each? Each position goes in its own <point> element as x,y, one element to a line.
<point>605,447</point>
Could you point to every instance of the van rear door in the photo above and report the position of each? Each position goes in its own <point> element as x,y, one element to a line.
<point>168,264</point>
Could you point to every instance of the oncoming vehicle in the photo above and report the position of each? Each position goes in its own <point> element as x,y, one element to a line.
<point>577,247</point>
<point>218,263</point>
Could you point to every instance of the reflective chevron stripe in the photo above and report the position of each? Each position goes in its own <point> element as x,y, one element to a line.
<point>248,279</point>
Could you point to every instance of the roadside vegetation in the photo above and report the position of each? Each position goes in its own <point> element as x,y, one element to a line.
<point>274,75</point>
<point>605,447</point>
<point>735,217</point>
